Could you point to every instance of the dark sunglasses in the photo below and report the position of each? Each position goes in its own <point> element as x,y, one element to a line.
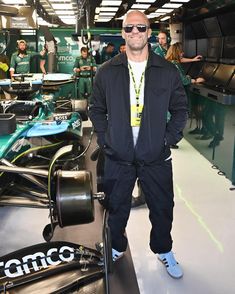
<point>140,27</point>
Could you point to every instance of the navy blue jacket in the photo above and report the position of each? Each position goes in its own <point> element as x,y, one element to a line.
<point>110,110</point>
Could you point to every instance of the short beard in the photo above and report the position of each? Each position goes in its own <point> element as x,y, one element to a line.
<point>22,51</point>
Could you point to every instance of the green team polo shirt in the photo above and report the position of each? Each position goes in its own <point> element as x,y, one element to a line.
<point>160,51</point>
<point>79,62</point>
<point>22,64</point>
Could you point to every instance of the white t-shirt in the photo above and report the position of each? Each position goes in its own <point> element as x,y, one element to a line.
<point>137,68</point>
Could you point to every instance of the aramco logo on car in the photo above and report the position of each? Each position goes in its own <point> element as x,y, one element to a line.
<point>36,261</point>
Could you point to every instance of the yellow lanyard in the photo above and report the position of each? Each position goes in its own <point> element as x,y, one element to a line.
<point>137,91</point>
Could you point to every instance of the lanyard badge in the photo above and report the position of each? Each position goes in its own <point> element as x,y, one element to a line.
<point>136,110</point>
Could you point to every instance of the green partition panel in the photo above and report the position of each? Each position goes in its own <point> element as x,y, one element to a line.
<point>213,126</point>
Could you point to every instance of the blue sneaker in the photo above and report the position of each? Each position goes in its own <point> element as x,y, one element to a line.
<point>172,266</point>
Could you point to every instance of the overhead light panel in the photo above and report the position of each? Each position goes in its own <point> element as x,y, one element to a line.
<point>146,1</point>
<point>140,6</point>
<point>103,20</point>
<point>107,8</point>
<point>182,1</point>
<point>64,12</point>
<point>165,18</point>
<point>107,13</point>
<point>153,15</point>
<point>111,3</point>
<point>14,2</point>
<point>164,10</point>
<point>172,5</point>
<point>62,6</point>
<point>60,1</point>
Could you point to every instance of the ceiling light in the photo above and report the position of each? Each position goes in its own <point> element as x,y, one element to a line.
<point>107,13</point>
<point>64,12</point>
<point>164,10</point>
<point>14,2</point>
<point>107,8</point>
<point>146,1</point>
<point>152,15</point>
<point>103,20</point>
<point>140,6</point>
<point>61,6</point>
<point>164,18</point>
<point>97,10</point>
<point>180,1</point>
<point>111,3</point>
<point>60,1</point>
<point>172,5</point>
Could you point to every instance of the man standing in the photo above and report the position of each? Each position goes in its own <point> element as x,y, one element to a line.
<point>20,60</point>
<point>131,97</point>
<point>108,52</point>
<point>84,67</point>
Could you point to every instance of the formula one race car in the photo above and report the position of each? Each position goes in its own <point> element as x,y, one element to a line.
<point>38,142</point>
<point>41,166</point>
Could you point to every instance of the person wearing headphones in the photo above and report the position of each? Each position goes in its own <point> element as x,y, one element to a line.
<point>20,60</point>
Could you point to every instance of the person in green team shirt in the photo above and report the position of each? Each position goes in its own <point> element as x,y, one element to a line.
<point>83,67</point>
<point>20,60</point>
<point>163,45</point>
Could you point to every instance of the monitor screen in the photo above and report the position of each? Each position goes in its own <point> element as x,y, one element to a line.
<point>208,70</point>
<point>202,47</point>
<point>227,23</point>
<point>231,85</point>
<point>195,69</point>
<point>188,32</point>
<point>199,29</point>
<point>222,75</point>
<point>229,47</point>
<point>190,48</point>
<point>212,27</point>
<point>214,48</point>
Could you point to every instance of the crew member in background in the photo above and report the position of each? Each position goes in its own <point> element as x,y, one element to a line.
<point>122,48</point>
<point>164,43</point>
<point>108,52</point>
<point>84,67</point>
<point>4,66</point>
<point>174,55</point>
<point>20,60</point>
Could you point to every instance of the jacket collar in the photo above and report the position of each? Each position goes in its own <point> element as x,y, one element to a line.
<point>153,60</point>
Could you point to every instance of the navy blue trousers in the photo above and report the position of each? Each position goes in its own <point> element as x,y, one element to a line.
<point>157,185</point>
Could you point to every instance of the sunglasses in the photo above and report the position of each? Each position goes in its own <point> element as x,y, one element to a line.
<point>140,27</point>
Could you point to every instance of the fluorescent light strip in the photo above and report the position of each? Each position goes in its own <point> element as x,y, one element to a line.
<point>152,15</point>
<point>172,5</point>
<point>64,12</point>
<point>145,1</point>
<point>183,1</point>
<point>140,6</point>
<point>164,10</point>
<point>164,18</point>
<point>60,1</point>
<point>111,3</point>
<point>107,8</point>
<point>107,13</point>
<point>103,20</point>
<point>61,6</point>
<point>14,2</point>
